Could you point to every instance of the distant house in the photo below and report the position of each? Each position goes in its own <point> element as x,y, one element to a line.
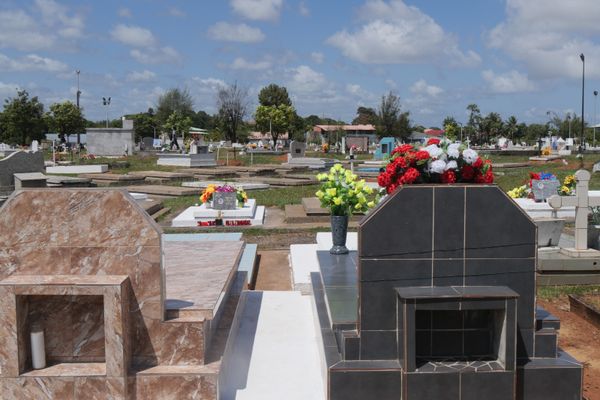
<point>360,136</point>
<point>422,137</point>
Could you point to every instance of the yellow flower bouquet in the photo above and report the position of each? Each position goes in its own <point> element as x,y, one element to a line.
<point>343,193</point>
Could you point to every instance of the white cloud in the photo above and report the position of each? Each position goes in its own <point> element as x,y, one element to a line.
<point>395,33</point>
<point>48,25</point>
<point>242,63</point>
<point>317,57</point>
<point>235,33</point>
<point>208,85</point>
<point>421,88</point>
<point>124,12</point>
<point>31,62</point>
<point>141,76</point>
<point>547,36</point>
<point>133,36</point>
<point>304,79</point>
<point>509,82</point>
<point>8,90</point>
<point>263,10</point>
<point>156,55</point>
<point>303,9</point>
<point>176,12</point>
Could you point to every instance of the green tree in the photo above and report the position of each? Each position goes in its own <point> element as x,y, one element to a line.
<point>491,126</point>
<point>275,119</point>
<point>393,122</point>
<point>179,100</point>
<point>65,118</point>
<point>511,126</point>
<point>203,120</point>
<point>365,115</point>
<point>473,127</point>
<point>179,123</point>
<point>274,95</point>
<point>144,124</point>
<point>22,120</point>
<point>232,103</point>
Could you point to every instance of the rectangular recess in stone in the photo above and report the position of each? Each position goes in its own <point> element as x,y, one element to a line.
<point>448,272</point>
<point>402,227</point>
<point>438,386</point>
<point>378,345</point>
<point>488,386</point>
<point>517,274</point>
<point>423,319</point>
<point>446,319</point>
<point>364,384</point>
<point>403,272</point>
<point>449,214</point>
<point>338,270</point>
<point>496,227</point>
<point>446,343</point>
<point>478,343</point>
<point>536,381</point>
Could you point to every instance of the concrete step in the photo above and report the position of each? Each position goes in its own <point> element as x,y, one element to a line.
<point>543,319</point>
<point>269,351</point>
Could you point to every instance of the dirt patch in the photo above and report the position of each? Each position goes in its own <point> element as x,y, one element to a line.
<point>281,240</point>
<point>581,339</point>
<point>274,272</point>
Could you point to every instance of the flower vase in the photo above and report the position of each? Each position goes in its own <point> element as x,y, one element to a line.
<point>339,229</point>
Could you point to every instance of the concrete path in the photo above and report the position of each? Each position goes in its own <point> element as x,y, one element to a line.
<point>275,351</point>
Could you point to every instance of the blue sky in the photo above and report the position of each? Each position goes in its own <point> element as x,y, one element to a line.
<point>516,57</point>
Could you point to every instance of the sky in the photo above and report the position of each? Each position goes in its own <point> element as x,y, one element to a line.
<point>515,57</point>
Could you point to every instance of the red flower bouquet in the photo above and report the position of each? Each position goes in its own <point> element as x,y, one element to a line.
<point>436,162</point>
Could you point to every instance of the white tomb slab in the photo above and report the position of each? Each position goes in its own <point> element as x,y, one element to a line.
<point>195,215</point>
<point>543,210</point>
<point>78,169</point>
<point>325,242</point>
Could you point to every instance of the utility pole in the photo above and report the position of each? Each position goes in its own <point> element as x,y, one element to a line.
<point>78,95</point>
<point>106,103</point>
<point>582,103</point>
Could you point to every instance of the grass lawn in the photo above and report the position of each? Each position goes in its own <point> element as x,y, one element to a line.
<point>552,292</point>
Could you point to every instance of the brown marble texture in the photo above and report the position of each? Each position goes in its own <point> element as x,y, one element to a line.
<point>38,388</point>
<point>198,273</point>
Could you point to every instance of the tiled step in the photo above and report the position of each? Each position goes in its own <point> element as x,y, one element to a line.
<point>543,319</point>
<point>351,345</point>
<point>545,343</point>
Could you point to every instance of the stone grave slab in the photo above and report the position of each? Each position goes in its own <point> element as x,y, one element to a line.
<point>187,160</point>
<point>78,169</point>
<point>163,190</point>
<point>163,175</point>
<point>67,181</point>
<point>198,215</point>
<point>246,186</point>
<point>312,163</point>
<point>312,206</point>
<point>30,180</point>
<point>281,181</point>
<point>110,179</point>
<point>418,312</point>
<point>120,314</point>
<point>247,211</point>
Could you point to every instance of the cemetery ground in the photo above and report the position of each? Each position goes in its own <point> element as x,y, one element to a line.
<point>577,336</point>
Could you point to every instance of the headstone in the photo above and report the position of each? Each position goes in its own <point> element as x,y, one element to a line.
<point>582,202</point>
<point>35,146</point>
<point>445,311</point>
<point>18,162</point>
<point>225,200</point>
<point>297,149</point>
<point>544,188</point>
<point>385,147</point>
<point>148,142</point>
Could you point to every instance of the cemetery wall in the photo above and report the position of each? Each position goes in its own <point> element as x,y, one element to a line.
<point>110,141</point>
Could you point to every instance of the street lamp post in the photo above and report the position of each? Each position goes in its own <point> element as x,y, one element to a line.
<point>570,120</point>
<point>582,103</point>
<point>106,103</point>
<point>78,95</point>
<point>595,120</point>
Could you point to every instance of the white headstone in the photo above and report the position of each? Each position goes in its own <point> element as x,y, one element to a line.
<point>35,146</point>
<point>582,203</point>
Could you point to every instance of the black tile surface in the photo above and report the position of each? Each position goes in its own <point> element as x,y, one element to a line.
<point>488,386</point>
<point>525,343</point>
<point>442,386</point>
<point>338,270</point>
<point>517,274</point>
<point>397,228</point>
<point>365,385</point>
<point>545,343</point>
<point>351,348</point>
<point>496,227</point>
<point>403,272</point>
<point>447,272</point>
<point>378,345</point>
<point>538,381</point>
<point>449,222</point>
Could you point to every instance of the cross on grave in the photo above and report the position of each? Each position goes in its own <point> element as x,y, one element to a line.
<point>582,203</point>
